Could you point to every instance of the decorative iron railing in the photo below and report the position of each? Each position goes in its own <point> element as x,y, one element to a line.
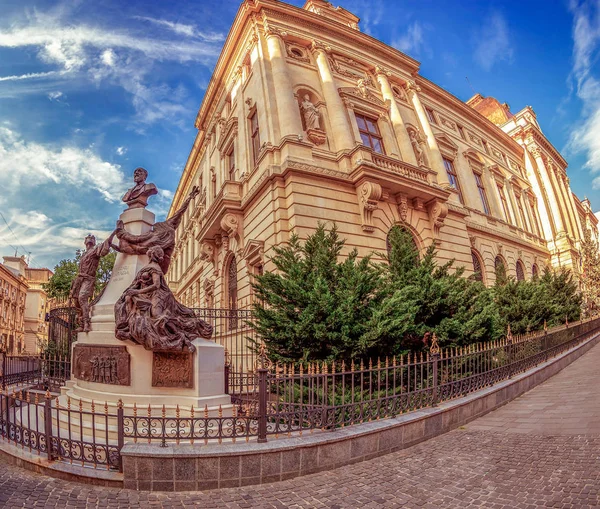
<point>279,400</point>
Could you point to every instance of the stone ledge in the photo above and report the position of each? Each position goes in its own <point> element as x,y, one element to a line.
<point>202,467</point>
<point>40,464</point>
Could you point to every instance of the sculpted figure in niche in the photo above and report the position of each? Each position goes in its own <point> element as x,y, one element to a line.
<point>83,285</point>
<point>162,235</point>
<point>137,196</point>
<point>418,149</point>
<point>148,314</point>
<point>311,114</point>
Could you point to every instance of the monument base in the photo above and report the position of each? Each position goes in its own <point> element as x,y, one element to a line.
<point>155,379</point>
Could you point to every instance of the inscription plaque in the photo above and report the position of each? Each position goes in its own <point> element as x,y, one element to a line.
<point>102,364</point>
<point>172,369</point>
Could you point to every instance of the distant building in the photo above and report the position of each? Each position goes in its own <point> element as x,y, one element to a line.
<point>36,304</point>
<point>13,293</point>
<point>307,119</point>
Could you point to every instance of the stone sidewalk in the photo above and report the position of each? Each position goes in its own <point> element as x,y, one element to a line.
<point>541,450</point>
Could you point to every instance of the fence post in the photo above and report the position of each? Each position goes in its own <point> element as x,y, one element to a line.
<point>262,405</point>
<point>48,424</point>
<point>434,350</point>
<point>4,371</point>
<point>120,431</point>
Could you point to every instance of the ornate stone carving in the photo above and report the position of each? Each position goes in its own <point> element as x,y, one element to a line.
<point>173,369</point>
<point>437,215</point>
<point>162,234</point>
<point>310,114</point>
<point>369,196</point>
<point>417,140</point>
<point>316,136</point>
<point>208,253</point>
<point>418,203</point>
<point>355,92</point>
<point>402,206</point>
<point>382,70</point>
<point>137,196</point>
<point>209,292</point>
<point>319,46</point>
<point>297,53</point>
<point>101,364</point>
<point>535,151</point>
<point>232,225</point>
<point>411,86</point>
<point>82,287</point>
<point>149,315</point>
<point>361,84</point>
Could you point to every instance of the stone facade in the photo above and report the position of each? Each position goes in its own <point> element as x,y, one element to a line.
<point>306,119</point>
<point>13,292</point>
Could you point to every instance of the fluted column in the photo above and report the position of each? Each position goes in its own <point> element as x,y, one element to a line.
<point>435,156</point>
<point>342,133</point>
<point>406,150</point>
<point>288,113</point>
<point>562,199</point>
<point>569,204</point>
<point>552,200</point>
<point>573,208</point>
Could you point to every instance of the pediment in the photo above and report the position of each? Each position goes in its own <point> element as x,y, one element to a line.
<point>367,96</point>
<point>446,144</point>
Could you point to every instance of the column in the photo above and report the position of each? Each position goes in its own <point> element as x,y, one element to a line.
<point>288,113</point>
<point>569,204</point>
<point>552,200</point>
<point>580,227</point>
<point>406,150</point>
<point>435,157</point>
<point>562,205</point>
<point>342,134</point>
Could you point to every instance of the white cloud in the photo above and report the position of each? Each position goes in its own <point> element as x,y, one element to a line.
<point>30,76</point>
<point>54,96</point>
<point>34,165</point>
<point>183,29</point>
<point>492,42</point>
<point>121,151</point>
<point>108,57</point>
<point>585,81</point>
<point>413,41</point>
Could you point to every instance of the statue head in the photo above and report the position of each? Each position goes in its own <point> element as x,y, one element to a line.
<point>89,241</point>
<point>307,97</point>
<point>156,254</point>
<point>140,175</point>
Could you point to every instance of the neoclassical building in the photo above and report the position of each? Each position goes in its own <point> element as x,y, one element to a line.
<point>307,119</point>
<point>13,294</point>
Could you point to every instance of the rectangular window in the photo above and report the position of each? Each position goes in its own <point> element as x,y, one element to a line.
<point>231,163</point>
<point>504,203</point>
<point>521,210</point>
<point>369,133</point>
<point>461,131</point>
<point>453,177</point>
<point>534,217</point>
<point>255,136</point>
<point>430,115</point>
<point>482,194</point>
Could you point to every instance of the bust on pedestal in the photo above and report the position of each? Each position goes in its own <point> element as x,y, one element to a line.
<point>142,346</point>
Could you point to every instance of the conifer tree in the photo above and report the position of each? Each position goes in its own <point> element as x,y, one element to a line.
<point>590,273</point>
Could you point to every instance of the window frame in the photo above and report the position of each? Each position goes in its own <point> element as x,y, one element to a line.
<point>366,119</point>
<point>482,192</point>
<point>430,115</point>
<point>254,134</point>
<point>504,202</point>
<point>453,176</point>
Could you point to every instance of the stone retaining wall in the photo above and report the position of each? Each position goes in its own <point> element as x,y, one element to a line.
<point>202,467</point>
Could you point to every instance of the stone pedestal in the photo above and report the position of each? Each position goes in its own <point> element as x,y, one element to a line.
<point>196,379</point>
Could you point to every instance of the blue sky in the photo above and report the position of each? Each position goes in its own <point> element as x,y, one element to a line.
<point>91,90</point>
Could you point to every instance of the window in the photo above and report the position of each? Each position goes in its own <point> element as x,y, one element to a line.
<point>481,188</point>
<point>406,242</point>
<point>369,133</point>
<point>232,293</point>
<point>477,269</point>
<point>520,271</point>
<point>255,136</point>
<point>461,131</point>
<point>453,177</point>
<point>534,271</point>
<point>231,163</point>
<point>430,115</point>
<point>504,203</point>
<point>534,217</point>
<point>499,265</point>
<point>521,211</point>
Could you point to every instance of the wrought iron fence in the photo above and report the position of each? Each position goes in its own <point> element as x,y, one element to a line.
<point>279,400</point>
<point>62,331</point>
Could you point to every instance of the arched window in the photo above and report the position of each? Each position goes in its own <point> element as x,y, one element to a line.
<point>499,262</point>
<point>477,267</point>
<point>232,296</point>
<point>534,271</point>
<point>500,267</point>
<point>520,271</point>
<point>407,234</point>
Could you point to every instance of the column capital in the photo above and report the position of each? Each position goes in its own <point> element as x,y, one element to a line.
<point>382,71</point>
<point>535,150</point>
<point>316,45</point>
<point>411,86</point>
<point>271,31</point>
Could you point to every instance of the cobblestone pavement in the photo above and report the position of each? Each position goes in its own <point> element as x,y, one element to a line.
<point>542,450</point>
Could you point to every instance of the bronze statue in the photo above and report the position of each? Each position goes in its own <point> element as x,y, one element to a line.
<point>137,196</point>
<point>148,314</point>
<point>162,234</point>
<point>82,287</point>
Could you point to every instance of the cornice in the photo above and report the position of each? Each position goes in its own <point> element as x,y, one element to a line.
<point>471,225</point>
<point>530,132</point>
